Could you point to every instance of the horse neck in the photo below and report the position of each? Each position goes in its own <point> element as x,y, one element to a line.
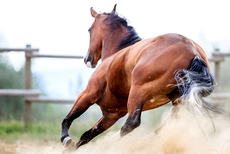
<point>113,42</point>
<point>110,44</point>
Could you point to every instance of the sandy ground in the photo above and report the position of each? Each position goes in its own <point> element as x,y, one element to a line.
<point>183,133</point>
<point>22,147</point>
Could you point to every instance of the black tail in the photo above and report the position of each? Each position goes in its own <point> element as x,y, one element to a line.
<point>196,83</point>
<point>198,76</point>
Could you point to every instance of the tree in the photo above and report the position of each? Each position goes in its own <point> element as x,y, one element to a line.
<point>11,107</point>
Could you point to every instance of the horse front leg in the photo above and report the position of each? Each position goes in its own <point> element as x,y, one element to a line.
<point>83,102</point>
<point>103,124</point>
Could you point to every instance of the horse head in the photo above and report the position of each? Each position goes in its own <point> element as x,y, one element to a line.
<point>97,36</point>
<point>109,33</point>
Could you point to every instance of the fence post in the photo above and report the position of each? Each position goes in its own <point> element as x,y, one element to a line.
<point>217,72</point>
<point>28,85</point>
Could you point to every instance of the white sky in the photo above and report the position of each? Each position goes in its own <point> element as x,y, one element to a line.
<point>60,27</point>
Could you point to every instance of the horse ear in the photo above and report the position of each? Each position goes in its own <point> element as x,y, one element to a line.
<point>93,13</point>
<point>114,9</point>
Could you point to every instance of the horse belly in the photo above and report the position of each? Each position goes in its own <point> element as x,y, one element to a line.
<point>155,102</point>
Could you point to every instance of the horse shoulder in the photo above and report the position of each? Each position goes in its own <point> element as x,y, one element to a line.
<point>117,77</point>
<point>97,82</point>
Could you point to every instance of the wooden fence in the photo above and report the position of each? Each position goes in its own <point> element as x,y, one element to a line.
<point>32,95</point>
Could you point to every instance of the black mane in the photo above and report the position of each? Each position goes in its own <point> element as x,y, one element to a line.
<point>113,20</point>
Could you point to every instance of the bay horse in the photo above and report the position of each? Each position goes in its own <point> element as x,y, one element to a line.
<point>135,75</point>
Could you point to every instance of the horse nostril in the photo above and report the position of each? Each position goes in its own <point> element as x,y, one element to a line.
<point>87,59</point>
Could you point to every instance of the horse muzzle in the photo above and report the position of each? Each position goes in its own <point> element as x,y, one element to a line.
<point>89,62</point>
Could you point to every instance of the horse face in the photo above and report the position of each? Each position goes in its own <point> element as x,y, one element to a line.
<point>96,39</point>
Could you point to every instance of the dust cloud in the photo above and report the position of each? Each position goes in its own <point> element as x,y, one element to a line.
<point>180,132</point>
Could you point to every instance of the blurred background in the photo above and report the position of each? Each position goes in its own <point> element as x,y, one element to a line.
<point>59,27</point>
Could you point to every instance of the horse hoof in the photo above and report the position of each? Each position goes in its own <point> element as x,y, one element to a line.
<point>69,145</point>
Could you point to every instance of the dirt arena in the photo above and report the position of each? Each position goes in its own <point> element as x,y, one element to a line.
<point>184,133</point>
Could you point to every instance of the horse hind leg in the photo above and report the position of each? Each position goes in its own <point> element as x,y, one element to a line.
<point>135,105</point>
<point>132,122</point>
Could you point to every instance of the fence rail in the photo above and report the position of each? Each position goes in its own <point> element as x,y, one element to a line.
<point>19,92</point>
<point>19,49</point>
<point>222,54</point>
<point>43,99</point>
<point>54,56</point>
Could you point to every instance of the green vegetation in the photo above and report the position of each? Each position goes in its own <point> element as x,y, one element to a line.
<point>14,130</point>
<point>11,107</point>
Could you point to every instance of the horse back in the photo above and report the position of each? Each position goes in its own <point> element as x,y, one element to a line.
<point>164,52</point>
